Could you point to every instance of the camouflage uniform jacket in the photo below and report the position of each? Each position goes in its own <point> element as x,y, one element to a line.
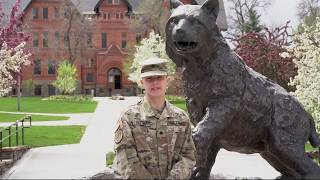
<point>152,145</point>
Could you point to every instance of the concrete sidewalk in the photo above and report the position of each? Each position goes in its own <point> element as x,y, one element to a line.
<point>88,157</point>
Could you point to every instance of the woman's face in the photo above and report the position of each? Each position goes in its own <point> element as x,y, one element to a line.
<point>155,86</point>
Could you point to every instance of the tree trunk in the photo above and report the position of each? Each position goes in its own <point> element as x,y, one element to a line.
<point>18,90</point>
<point>71,58</point>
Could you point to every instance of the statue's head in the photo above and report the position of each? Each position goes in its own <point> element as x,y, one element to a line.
<point>190,27</point>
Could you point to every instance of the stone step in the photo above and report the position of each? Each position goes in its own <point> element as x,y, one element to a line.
<point>14,153</point>
<point>10,155</point>
<point>5,165</point>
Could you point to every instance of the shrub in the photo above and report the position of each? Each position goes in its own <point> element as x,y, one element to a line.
<point>66,78</point>
<point>75,98</point>
<point>109,158</point>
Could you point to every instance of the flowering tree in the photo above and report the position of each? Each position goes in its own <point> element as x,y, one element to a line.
<point>262,52</point>
<point>66,77</point>
<point>11,62</point>
<point>12,36</point>
<point>307,81</point>
<point>152,46</point>
<point>11,33</point>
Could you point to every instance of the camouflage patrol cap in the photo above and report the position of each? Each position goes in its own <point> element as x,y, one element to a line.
<point>154,67</point>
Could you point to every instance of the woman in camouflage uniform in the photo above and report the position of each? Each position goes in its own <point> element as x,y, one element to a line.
<point>153,137</point>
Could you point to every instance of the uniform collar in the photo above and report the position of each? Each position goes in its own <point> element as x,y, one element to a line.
<point>150,111</point>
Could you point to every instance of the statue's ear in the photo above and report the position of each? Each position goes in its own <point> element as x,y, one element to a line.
<point>175,3</point>
<point>212,6</point>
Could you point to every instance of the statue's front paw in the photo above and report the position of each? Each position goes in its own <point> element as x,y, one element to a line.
<point>200,173</point>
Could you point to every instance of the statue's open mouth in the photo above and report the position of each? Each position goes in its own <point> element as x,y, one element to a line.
<point>186,46</point>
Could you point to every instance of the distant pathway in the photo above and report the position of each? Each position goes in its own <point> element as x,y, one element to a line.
<point>88,157</point>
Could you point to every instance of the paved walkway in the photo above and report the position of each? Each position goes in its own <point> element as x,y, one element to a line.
<point>88,157</point>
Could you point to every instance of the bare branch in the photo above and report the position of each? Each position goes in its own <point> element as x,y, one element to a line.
<point>240,12</point>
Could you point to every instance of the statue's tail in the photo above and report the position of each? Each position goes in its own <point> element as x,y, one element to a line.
<point>314,137</point>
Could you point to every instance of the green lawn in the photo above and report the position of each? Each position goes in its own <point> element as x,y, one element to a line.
<point>35,104</point>
<point>180,102</point>
<point>39,136</point>
<point>6,117</point>
<point>309,148</point>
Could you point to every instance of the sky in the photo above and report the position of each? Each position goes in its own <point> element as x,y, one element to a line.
<point>281,11</point>
<point>278,13</point>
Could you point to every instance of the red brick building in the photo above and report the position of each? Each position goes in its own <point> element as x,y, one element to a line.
<point>93,33</point>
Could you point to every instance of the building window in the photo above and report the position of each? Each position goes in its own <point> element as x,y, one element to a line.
<point>104,16</point>
<point>87,91</point>
<point>67,12</point>
<point>109,1</point>
<point>14,91</point>
<point>56,12</point>
<point>37,67</point>
<point>90,63</point>
<point>45,13</point>
<point>35,13</point>
<point>51,90</point>
<point>117,15</point>
<point>116,1</point>
<point>109,15</point>
<point>35,39</point>
<point>65,40</point>
<point>89,77</point>
<point>89,40</point>
<point>103,40</point>
<point>57,39</point>
<point>121,15</point>
<point>123,40</point>
<point>51,67</point>
<point>45,42</point>
<point>37,90</point>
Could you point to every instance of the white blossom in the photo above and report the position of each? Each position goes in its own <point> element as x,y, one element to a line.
<point>285,55</point>
<point>11,61</point>
<point>149,46</point>
<point>307,81</point>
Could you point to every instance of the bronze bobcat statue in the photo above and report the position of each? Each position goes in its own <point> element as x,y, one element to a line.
<point>233,106</point>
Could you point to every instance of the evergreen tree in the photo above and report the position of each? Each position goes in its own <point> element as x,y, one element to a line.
<point>243,16</point>
<point>253,23</point>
